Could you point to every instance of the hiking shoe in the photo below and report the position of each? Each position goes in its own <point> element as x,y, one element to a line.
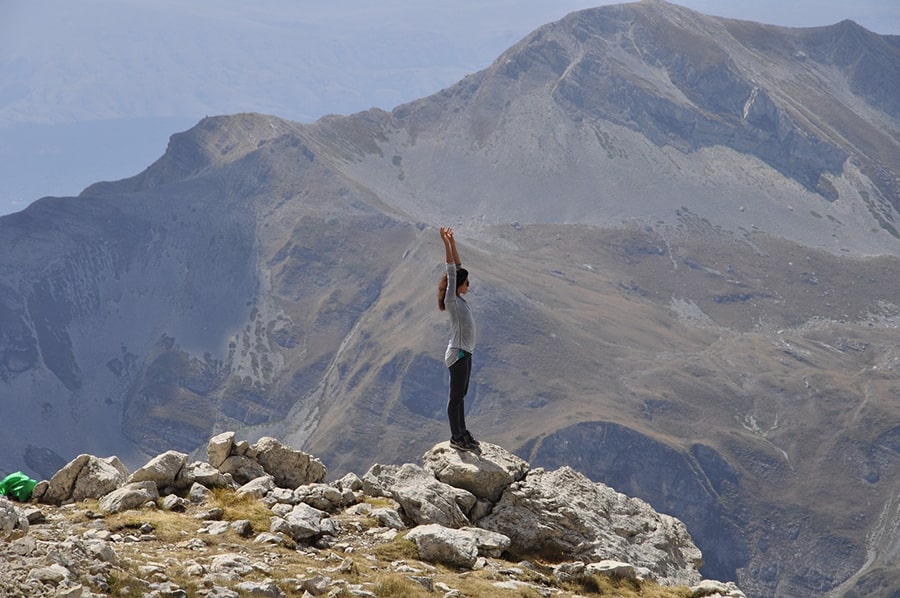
<point>460,444</point>
<point>467,436</point>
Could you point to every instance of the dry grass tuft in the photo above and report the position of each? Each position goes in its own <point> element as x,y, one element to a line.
<point>398,549</point>
<point>600,585</point>
<point>394,585</point>
<point>379,502</point>
<point>237,507</point>
<point>167,526</point>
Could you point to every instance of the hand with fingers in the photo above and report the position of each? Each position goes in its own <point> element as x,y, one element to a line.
<point>450,246</point>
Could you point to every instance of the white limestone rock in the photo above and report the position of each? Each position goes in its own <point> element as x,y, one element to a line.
<point>162,470</point>
<point>219,448</point>
<point>423,498</point>
<point>486,473</point>
<point>85,476</point>
<point>242,468</point>
<point>258,487</point>
<point>565,512</point>
<point>202,473</point>
<point>290,467</point>
<point>440,544</point>
<point>12,519</point>
<point>130,496</point>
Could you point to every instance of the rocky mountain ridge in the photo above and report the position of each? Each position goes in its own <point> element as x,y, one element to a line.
<point>673,296</point>
<point>453,510</point>
<point>795,100</point>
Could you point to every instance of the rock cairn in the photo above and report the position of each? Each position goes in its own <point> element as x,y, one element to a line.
<point>460,509</point>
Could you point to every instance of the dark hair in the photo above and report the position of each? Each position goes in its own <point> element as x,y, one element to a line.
<point>442,292</point>
<point>462,275</point>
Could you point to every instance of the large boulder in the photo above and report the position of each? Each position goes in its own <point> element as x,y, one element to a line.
<point>564,512</point>
<point>219,448</point>
<point>258,487</point>
<point>320,496</point>
<point>423,498</point>
<point>85,476</point>
<point>439,544</point>
<point>300,523</point>
<point>290,467</point>
<point>242,468</point>
<point>99,477</point>
<point>201,473</point>
<point>130,496</point>
<point>162,470</point>
<point>458,547</point>
<point>485,474</point>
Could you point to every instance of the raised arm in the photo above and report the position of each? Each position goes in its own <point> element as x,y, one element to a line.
<point>455,253</point>
<point>449,245</point>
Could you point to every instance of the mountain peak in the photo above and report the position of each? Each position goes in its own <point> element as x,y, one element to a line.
<point>211,143</point>
<point>683,81</point>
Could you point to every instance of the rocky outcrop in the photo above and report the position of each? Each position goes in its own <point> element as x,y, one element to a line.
<point>557,512</point>
<point>505,508</point>
<point>84,477</point>
<point>244,462</point>
<point>640,465</point>
<point>563,512</point>
<point>486,475</point>
<point>129,496</point>
<point>87,476</point>
<point>424,499</point>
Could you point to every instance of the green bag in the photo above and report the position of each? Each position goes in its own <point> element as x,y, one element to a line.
<point>17,485</point>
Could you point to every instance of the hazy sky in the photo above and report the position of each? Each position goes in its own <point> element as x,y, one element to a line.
<point>85,86</point>
<point>880,16</point>
<point>64,61</point>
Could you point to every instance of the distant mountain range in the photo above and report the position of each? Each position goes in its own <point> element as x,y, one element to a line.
<point>682,233</point>
<point>120,78</point>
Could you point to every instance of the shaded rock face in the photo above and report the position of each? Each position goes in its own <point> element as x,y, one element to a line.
<point>560,513</point>
<point>724,106</point>
<point>563,512</point>
<point>19,345</point>
<point>695,486</point>
<point>692,487</point>
<point>425,499</point>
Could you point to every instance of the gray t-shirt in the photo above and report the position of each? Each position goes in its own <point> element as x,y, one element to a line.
<point>462,324</point>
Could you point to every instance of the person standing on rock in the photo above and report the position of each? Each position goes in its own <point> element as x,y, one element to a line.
<point>454,284</point>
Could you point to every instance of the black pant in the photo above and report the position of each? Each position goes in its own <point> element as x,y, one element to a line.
<point>459,386</point>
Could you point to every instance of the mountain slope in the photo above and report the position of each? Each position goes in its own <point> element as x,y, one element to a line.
<point>681,237</point>
<point>582,97</point>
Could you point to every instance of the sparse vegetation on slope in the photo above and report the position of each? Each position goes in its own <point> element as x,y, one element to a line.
<point>161,553</point>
